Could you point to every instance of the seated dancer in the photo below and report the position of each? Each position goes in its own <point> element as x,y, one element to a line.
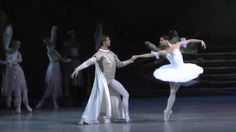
<point>177,71</point>
<point>104,100</point>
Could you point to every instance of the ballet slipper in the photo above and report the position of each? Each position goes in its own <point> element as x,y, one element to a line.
<point>82,122</point>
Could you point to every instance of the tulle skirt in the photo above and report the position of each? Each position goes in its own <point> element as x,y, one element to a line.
<point>182,73</point>
<point>53,80</point>
<point>14,80</point>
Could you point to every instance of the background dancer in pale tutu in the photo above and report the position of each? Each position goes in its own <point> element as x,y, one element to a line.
<point>177,71</point>
<point>14,80</point>
<point>53,79</point>
<point>104,99</point>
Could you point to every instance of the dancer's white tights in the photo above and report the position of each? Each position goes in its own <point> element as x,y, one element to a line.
<point>119,88</point>
<point>174,87</point>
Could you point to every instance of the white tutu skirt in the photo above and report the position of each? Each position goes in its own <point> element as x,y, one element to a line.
<point>182,73</point>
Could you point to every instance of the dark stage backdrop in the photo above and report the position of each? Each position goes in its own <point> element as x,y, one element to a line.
<point>128,22</point>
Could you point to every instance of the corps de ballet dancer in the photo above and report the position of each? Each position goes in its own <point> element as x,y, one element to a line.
<point>14,84</point>
<point>53,79</point>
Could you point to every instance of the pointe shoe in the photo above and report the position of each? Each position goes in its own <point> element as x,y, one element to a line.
<point>56,106</point>
<point>127,118</point>
<point>28,108</point>
<point>39,105</point>
<point>167,115</point>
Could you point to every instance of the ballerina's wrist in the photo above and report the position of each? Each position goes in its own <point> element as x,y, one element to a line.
<point>131,61</point>
<point>77,69</point>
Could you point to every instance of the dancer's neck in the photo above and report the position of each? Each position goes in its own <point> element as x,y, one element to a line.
<point>104,47</point>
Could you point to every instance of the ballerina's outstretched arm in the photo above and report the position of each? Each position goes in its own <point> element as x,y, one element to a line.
<point>152,54</point>
<point>186,42</point>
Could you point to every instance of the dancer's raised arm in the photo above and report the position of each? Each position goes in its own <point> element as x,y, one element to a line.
<point>186,42</point>
<point>53,36</point>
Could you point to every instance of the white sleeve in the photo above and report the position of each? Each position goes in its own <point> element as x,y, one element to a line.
<point>156,54</point>
<point>91,61</point>
<point>87,63</point>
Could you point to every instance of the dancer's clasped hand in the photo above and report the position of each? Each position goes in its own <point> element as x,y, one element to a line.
<point>133,58</point>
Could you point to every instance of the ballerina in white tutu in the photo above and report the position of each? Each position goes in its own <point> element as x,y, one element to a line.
<point>177,71</point>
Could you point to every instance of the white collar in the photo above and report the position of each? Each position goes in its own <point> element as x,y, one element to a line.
<point>103,50</point>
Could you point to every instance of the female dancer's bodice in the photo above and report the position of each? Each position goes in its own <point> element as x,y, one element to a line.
<point>175,57</point>
<point>52,56</point>
<point>11,57</point>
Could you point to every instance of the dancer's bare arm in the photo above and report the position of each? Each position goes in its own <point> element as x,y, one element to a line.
<point>152,54</point>
<point>192,41</point>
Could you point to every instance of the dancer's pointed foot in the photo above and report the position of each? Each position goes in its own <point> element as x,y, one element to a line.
<point>56,106</point>
<point>167,114</point>
<point>127,118</point>
<point>39,105</point>
<point>29,109</point>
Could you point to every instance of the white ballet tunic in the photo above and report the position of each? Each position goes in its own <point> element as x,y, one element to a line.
<point>177,70</point>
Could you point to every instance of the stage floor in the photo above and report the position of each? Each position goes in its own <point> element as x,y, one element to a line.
<point>190,114</point>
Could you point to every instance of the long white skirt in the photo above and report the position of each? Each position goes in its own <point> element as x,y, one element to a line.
<point>101,103</point>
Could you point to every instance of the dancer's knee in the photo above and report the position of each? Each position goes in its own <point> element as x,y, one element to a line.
<point>126,95</point>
